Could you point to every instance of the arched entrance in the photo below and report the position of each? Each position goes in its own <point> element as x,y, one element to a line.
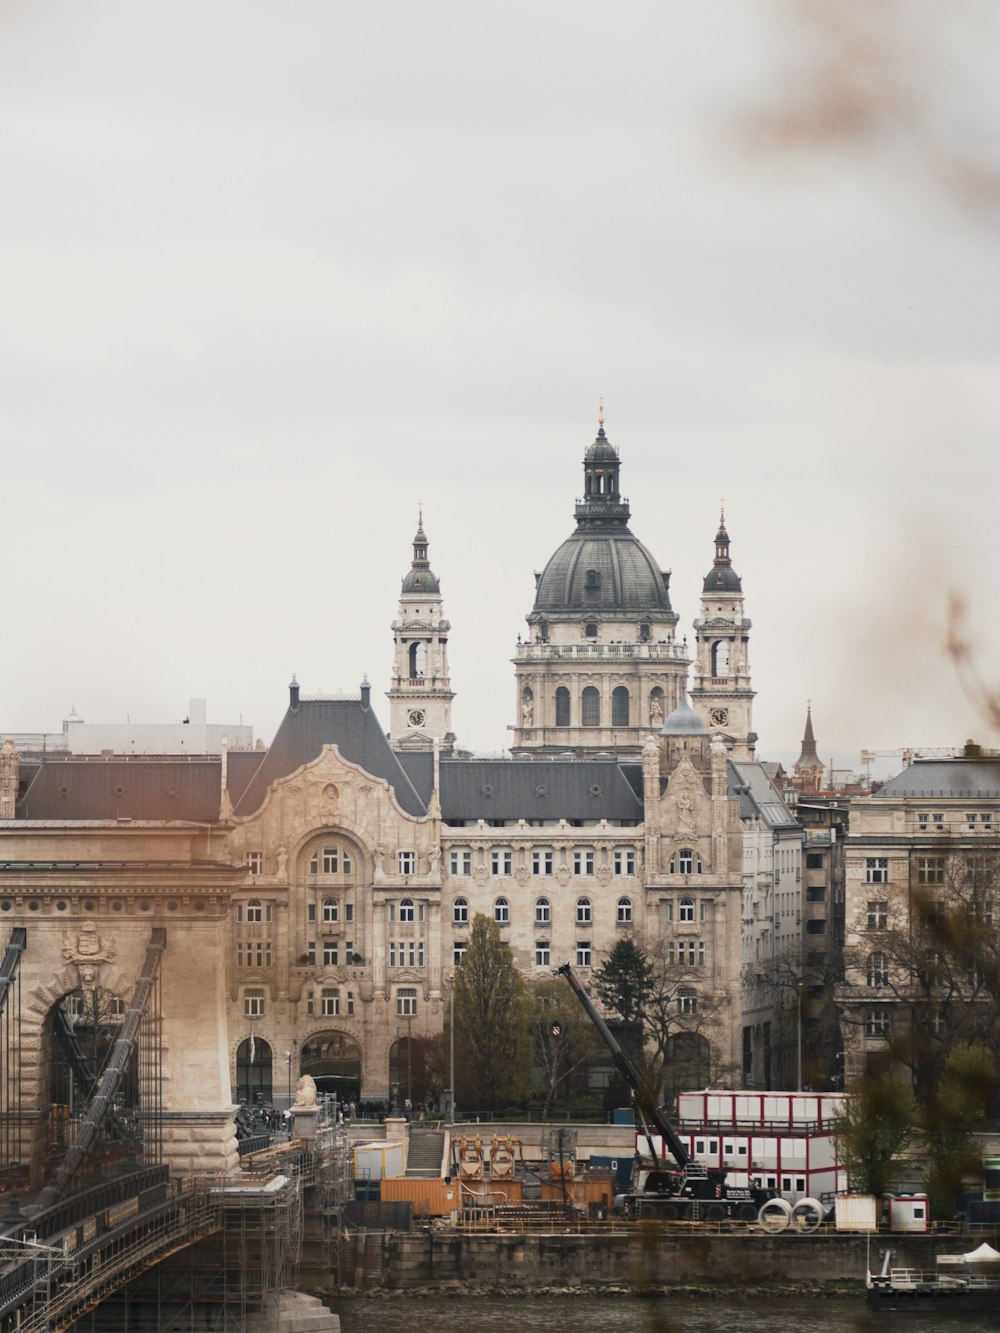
<point>254,1072</point>
<point>334,1061</point>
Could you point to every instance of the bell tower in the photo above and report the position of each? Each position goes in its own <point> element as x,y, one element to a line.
<point>420,695</point>
<point>721,692</point>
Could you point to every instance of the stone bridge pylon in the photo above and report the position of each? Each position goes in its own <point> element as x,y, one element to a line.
<point>100,908</point>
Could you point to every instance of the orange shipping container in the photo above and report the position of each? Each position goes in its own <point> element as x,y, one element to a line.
<point>430,1197</point>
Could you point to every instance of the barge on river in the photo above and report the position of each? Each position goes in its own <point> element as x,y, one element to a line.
<point>960,1283</point>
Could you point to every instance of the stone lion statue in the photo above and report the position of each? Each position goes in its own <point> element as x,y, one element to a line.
<point>305,1091</point>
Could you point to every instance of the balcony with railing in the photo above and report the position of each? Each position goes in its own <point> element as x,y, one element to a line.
<point>545,652</point>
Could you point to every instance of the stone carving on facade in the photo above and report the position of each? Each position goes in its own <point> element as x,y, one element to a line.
<point>9,778</point>
<point>88,950</point>
<point>527,711</point>
<point>282,857</point>
<point>655,712</point>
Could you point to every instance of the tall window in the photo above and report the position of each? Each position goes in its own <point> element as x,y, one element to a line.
<point>458,950</point>
<point>406,1001</point>
<point>501,911</point>
<point>460,861</point>
<point>877,870</point>
<point>562,706</point>
<point>583,861</point>
<point>255,862</point>
<point>583,912</point>
<point>542,861</point>
<point>253,1002</point>
<point>330,1002</point>
<point>331,953</point>
<point>624,911</point>
<point>878,969</point>
<point>583,954</point>
<point>619,706</point>
<point>542,953</point>
<point>406,909</point>
<point>687,1000</point>
<point>878,1023</point>
<point>590,707</point>
<point>255,911</point>
<point>543,912</point>
<point>460,912</point>
<point>407,863</point>
<point>878,915</point>
<point>685,862</point>
<point>624,861</point>
<point>686,912</point>
<point>331,909</point>
<point>502,861</point>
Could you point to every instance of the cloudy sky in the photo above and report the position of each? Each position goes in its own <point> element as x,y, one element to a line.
<point>273,274</point>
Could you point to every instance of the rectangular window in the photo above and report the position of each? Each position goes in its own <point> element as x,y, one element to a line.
<point>815,927</point>
<point>239,955</point>
<point>458,950</point>
<point>330,1003</point>
<point>331,860</point>
<point>406,1002</point>
<point>311,913</point>
<point>815,860</point>
<point>420,953</point>
<point>502,861</point>
<point>460,861</point>
<point>311,953</point>
<point>350,1004</point>
<point>583,953</point>
<point>310,1010</point>
<point>348,911</point>
<point>922,820</point>
<point>349,951</point>
<point>878,916</point>
<point>625,861</point>
<point>930,869</point>
<point>583,861</point>
<point>877,1023</point>
<point>392,953</point>
<point>255,862</point>
<point>253,1003</point>
<point>815,893</point>
<point>331,953</point>
<point>542,861</point>
<point>407,863</point>
<point>877,870</point>
<point>542,954</point>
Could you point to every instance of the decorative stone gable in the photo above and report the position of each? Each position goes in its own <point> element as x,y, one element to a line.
<point>10,772</point>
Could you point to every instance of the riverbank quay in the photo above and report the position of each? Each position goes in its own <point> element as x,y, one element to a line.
<point>638,1258</point>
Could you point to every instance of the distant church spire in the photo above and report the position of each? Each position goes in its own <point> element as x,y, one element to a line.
<point>809,753</point>
<point>807,775</point>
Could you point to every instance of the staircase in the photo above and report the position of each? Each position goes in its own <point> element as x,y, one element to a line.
<point>426,1152</point>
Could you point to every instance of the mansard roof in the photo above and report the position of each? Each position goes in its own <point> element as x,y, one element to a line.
<point>759,797</point>
<point>307,726</point>
<point>76,787</point>
<point>538,789</point>
<point>968,779</point>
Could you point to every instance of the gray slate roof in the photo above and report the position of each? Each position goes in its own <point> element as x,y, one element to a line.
<point>305,729</point>
<point>538,789</point>
<point>759,797</point>
<point>76,787</point>
<point>972,779</point>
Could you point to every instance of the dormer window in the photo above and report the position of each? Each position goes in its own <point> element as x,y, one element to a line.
<point>592,579</point>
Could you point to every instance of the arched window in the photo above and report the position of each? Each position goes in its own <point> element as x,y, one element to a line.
<point>543,912</point>
<point>406,909</point>
<point>624,911</point>
<point>684,862</point>
<point>590,629</point>
<point>331,909</point>
<point>590,709</point>
<point>562,706</point>
<point>255,911</point>
<point>878,969</point>
<point>501,912</point>
<point>686,912</point>
<point>418,660</point>
<point>460,912</point>
<point>584,913</point>
<point>619,706</point>
<point>720,658</point>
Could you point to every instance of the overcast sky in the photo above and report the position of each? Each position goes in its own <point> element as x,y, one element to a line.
<point>271,274</point>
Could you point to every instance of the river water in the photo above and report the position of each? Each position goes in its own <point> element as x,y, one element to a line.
<point>627,1314</point>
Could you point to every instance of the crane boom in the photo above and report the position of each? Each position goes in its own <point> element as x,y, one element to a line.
<point>627,1070</point>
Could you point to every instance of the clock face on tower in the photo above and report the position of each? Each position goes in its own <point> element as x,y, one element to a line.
<point>416,717</point>
<point>719,717</point>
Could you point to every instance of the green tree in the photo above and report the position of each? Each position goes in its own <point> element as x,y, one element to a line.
<point>966,1089</point>
<point>872,1128</point>
<point>491,1046</point>
<point>624,981</point>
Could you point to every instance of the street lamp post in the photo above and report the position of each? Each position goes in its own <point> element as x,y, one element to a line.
<point>451,1050</point>
<point>288,1058</point>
